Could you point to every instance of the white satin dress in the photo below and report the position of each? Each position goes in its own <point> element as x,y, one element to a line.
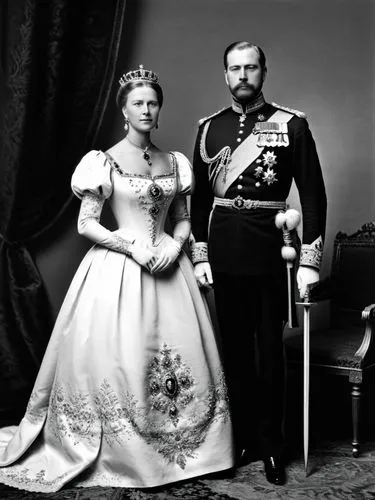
<point>131,391</point>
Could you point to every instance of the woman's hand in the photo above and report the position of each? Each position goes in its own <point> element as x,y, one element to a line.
<point>142,253</point>
<point>167,254</point>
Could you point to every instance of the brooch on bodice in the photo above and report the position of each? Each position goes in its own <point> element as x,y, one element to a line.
<point>155,194</point>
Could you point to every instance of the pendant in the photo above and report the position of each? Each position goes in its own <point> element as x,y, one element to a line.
<point>147,157</point>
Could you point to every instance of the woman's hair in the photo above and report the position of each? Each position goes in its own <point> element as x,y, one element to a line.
<point>123,92</point>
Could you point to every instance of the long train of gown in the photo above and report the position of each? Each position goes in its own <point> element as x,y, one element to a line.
<point>130,392</point>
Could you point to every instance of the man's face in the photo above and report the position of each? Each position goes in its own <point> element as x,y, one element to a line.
<point>244,75</point>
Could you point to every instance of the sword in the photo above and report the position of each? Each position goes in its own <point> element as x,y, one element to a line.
<point>306,370</point>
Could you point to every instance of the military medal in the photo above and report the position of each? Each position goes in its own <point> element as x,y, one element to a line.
<point>271,134</point>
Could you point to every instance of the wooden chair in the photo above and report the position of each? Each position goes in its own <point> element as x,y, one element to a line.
<point>347,347</point>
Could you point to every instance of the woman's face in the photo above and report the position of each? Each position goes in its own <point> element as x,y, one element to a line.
<point>142,109</point>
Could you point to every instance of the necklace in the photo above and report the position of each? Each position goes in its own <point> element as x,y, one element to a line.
<point>146,155</point>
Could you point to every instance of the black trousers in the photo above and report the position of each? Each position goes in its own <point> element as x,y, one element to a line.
<point>250,316</point>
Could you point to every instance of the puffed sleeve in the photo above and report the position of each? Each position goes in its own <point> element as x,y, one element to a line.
<point>184,174</point>
<point>92,175</point>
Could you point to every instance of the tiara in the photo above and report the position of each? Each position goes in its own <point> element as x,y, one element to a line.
<point>140,74</point>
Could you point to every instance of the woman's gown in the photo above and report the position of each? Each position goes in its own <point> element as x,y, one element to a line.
<point>130,392</point>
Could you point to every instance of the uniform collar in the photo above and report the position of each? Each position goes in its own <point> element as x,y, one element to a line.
<point>250,107</point>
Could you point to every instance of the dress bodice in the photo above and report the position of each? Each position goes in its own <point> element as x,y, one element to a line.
<point>140,202</point>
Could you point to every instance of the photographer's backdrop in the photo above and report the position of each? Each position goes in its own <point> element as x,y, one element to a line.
<point>320,58</point>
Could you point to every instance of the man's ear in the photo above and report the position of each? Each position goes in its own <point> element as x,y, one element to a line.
<point>226,77</point>
<point>264,74</point>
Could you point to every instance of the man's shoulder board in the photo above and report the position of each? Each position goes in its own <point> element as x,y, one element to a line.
<point>300,114</point>
<point>206,118</point>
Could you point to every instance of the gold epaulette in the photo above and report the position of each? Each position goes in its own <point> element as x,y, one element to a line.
<point>203,120</point>
<point>300,114</point>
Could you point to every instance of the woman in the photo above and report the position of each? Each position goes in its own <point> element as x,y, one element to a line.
<point>130,392</point>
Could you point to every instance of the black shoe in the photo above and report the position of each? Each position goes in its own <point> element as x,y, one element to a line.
<point>275,471</point>
<point>245,457</point>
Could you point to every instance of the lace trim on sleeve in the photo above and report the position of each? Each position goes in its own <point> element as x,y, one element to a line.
<point>119,244</point>
<point>91,207</point>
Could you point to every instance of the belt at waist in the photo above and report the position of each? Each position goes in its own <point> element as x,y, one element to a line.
<point>242,203</point>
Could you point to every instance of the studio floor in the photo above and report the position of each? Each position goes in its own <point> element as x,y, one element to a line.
<point>333,473</point>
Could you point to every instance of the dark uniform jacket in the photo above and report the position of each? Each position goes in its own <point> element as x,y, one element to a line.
<point>247,241</point>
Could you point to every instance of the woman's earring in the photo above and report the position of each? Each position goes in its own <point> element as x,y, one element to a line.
<point>126,125</point>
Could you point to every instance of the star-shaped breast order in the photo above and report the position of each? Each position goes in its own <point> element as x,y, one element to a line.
<point>269,159</point>
<point>269,176</point>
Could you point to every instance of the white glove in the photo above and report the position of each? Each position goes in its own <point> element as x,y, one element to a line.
<point>142,253</point>
<point>167,253</point>
<point>203,274</point>
<point>306,276</point>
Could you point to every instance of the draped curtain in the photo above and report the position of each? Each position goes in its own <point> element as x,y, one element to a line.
<point>57,65</point>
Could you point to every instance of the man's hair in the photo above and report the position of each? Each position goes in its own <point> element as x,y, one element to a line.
<point>241,46</point>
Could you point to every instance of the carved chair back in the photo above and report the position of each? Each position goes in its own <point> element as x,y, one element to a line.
<point>352,276</point>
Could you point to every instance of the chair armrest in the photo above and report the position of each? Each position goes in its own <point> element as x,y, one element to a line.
<point>368,315</point>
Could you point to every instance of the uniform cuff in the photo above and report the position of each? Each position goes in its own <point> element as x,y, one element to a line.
<point>312,254</point>
<point>199,252</point>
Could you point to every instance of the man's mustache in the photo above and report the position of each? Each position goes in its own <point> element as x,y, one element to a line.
<point>244,85</point>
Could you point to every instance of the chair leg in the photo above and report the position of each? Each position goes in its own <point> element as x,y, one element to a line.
<point>356,400</point>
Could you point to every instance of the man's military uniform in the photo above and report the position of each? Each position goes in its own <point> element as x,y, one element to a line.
<point>244,163</point>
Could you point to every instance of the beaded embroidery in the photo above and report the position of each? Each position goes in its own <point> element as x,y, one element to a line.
<point>158,193</point>
<point>91,207</point>
<point>33,414</point>
<point>166,422</point>
<point>312,255</point>
<point>199,252</point>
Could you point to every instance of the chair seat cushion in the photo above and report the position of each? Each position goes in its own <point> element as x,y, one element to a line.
<point>333,347</point>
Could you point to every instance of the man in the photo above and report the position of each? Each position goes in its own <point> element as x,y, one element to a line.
<point>253,150</point>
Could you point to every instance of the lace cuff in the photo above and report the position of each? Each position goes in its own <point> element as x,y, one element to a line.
<point>312,254</point>
<point>199,252</point>
<point>118,244</point>
<point>91,207</point>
